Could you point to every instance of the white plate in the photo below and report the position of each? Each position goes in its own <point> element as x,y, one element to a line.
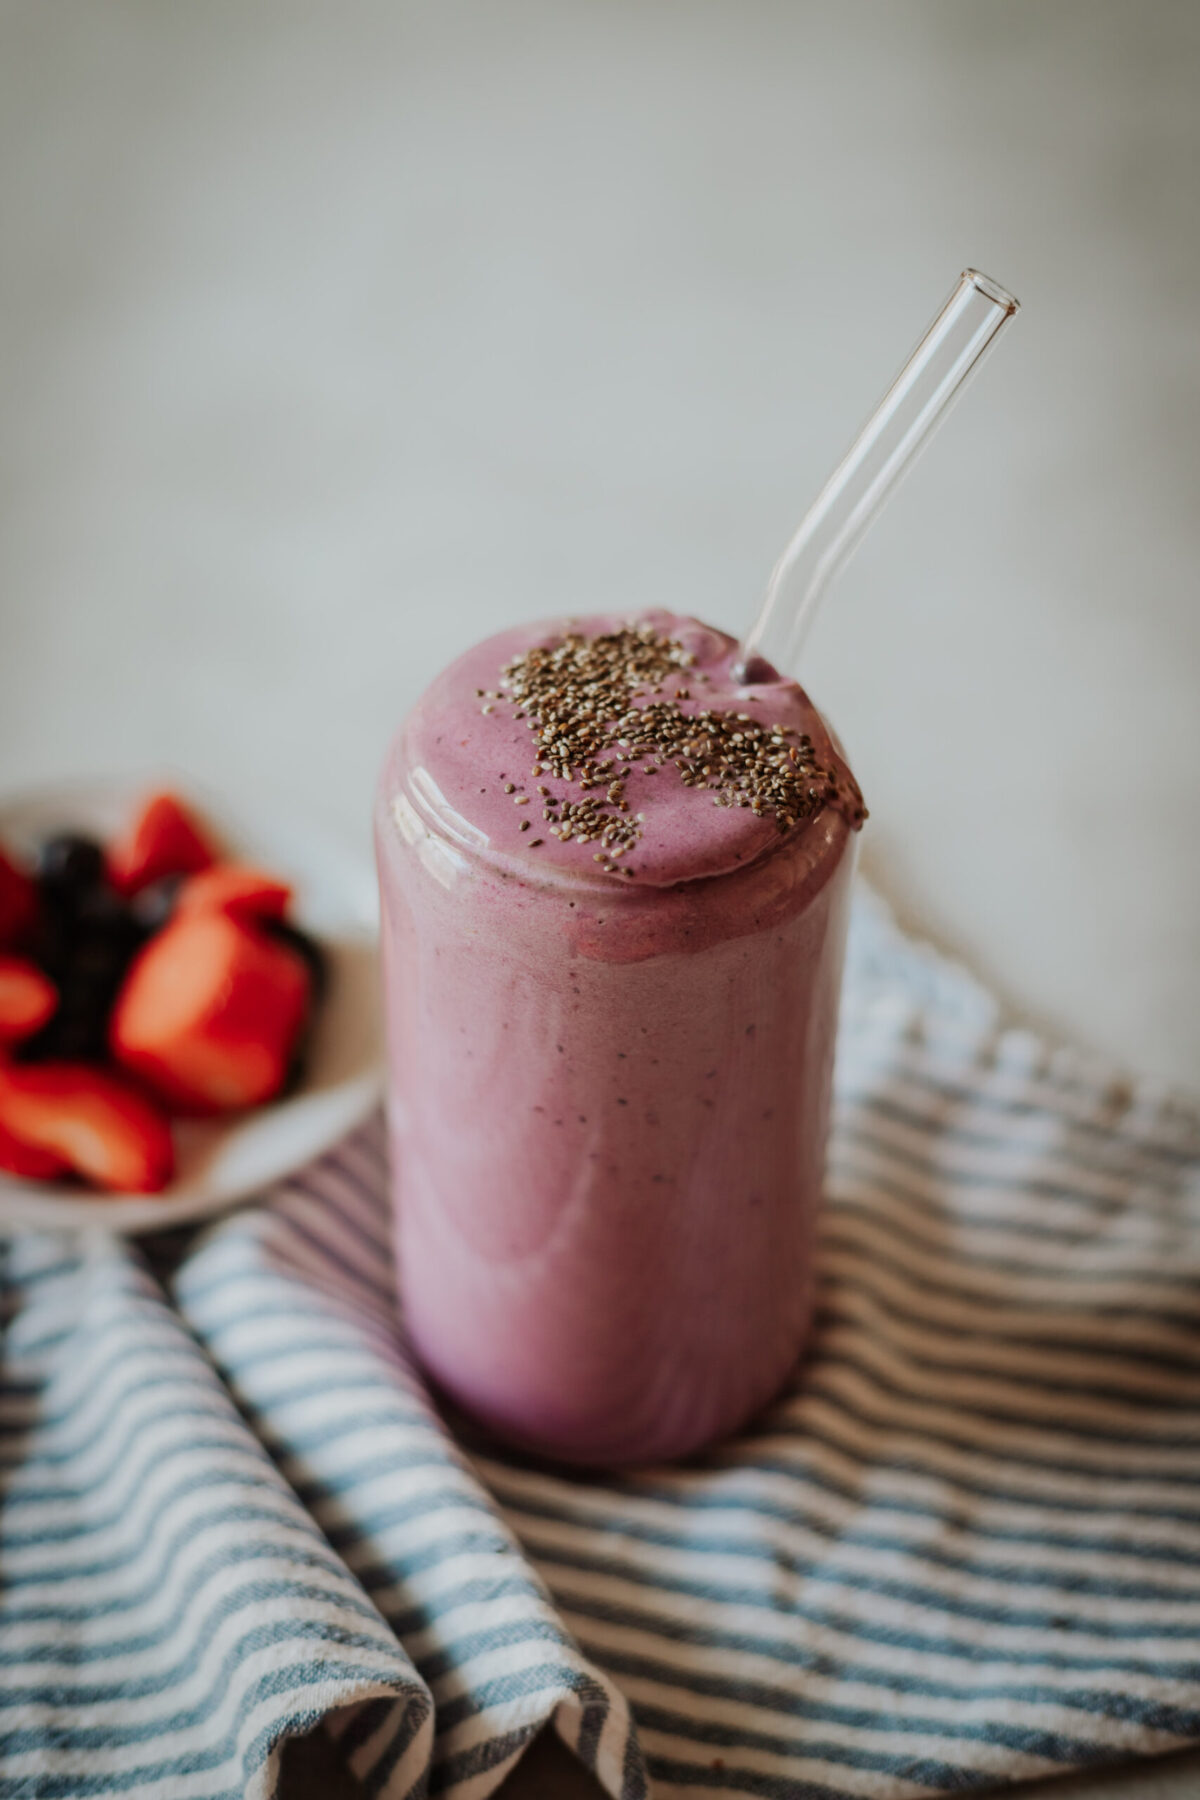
<point>221,1161</point>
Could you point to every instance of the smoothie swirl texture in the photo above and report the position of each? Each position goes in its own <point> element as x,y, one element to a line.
<point>484,772</point>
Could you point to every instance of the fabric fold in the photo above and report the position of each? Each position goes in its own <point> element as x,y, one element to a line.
<point>170,1613</point>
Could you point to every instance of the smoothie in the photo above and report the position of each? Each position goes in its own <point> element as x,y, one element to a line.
<point>615,887</point>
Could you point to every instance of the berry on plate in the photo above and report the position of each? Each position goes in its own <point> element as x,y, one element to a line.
<point>95,1123</point>
<point>27,1161</point>
<point>210,1013</point>
<point>233,889</point>
<point>69,865</point>
<point>27,998</point>
<point>162,839</point>
<point>18,903</point>
<point>140,978</point>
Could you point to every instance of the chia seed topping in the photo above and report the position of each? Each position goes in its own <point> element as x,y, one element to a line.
<point>595,709</point>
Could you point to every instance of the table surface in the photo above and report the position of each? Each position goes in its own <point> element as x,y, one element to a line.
<point>339,334</point>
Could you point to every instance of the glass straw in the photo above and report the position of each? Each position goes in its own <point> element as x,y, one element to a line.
<point>903,422</point>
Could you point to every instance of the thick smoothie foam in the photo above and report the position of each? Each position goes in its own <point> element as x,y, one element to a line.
<point>609,1090</point>
<point>481,763</point>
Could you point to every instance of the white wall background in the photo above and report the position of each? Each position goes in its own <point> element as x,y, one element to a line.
<point>334,335</point>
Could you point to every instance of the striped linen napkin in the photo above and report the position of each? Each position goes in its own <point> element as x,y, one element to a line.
<point>964,1548</point>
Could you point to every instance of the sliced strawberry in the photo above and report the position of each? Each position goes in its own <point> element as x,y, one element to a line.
<point>163,839</point>
<point>18,903</point>
<point>240,893</point>
<point>27,1161</point>
<point>95,1122</point>
<point>210,1013</point>
<point>27,998</point>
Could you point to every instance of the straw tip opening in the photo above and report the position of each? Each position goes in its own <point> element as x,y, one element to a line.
<point>992,289</point>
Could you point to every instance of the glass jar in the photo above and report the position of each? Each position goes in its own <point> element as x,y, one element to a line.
<point>608,1109</point>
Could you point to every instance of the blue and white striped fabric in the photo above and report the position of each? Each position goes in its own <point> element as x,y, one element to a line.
<point>965,1548</point>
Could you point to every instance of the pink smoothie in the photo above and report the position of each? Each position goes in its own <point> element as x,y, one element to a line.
<point>611,1016</point>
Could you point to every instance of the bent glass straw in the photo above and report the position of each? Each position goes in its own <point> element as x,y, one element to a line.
<point>886,447</point>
